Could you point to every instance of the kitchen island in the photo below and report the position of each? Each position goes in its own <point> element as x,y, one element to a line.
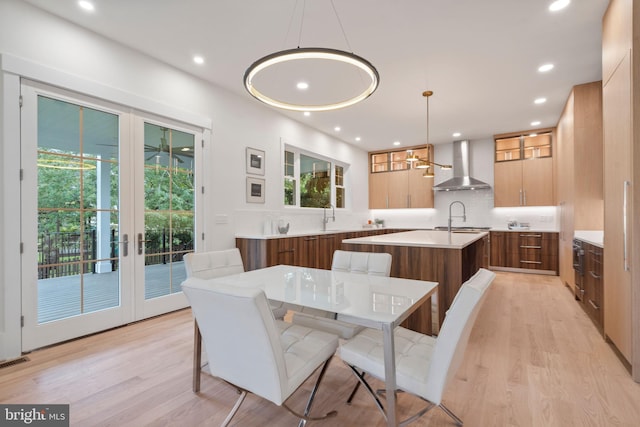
<point>438,256</point>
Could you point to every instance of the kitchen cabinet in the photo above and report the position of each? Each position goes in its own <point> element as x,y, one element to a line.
<point>621,131</point>
<point>395,183</point>
<point>526,251</point>
<point>314,250</point>
<point>523,170</point>
<point>593,298</point>
<point>579,150</point>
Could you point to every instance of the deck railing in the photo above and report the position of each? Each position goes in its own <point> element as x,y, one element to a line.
<point>71,253</point>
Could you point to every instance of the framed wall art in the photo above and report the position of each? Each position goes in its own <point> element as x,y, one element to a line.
<point>255,161</point>
<point>255,190</point>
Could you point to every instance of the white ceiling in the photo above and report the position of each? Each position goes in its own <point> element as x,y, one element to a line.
<point>480,58</point>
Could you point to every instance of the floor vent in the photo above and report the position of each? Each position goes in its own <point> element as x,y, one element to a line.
<point>13,362</point>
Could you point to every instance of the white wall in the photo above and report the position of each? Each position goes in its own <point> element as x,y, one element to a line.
<point>42,47</point>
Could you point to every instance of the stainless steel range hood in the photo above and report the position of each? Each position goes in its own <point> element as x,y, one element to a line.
<point>461,179</point>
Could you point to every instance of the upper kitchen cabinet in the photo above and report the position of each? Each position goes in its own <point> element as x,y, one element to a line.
<point>523,169</point>
<point>621,137</point>
<point>397,183</point>
<point>579,182</point>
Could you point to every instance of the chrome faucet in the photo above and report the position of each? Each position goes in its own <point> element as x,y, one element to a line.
<point>325,218</point>
<point>463,216</point>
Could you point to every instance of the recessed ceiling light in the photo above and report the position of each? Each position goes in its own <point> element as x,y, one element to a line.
<point>535,123</point>
<point>302,85</point>
<point>337,128</point>
<point>198,59</point>
<point>540,100</point>
<point>456,134</point>
<point>533,135</point>
<point>558,5</point>
<point>357,138</point>
<point>86,5</point>
<point>307,113</point>
<point>546,67</point>
<point>396,143</point>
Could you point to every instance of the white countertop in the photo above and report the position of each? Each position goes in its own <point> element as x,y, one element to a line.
<point>422,238</point>
<point>348,230</point>
<point>593,237</point>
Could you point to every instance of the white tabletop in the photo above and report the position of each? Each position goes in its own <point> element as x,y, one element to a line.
<point>357,298</point>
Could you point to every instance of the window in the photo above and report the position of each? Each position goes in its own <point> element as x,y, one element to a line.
<point>289,179</point>
<point>312,181</point>
<point>339,174</point>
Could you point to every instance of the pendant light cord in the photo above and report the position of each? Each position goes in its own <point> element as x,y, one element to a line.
<point>304,6</point>
<point>344,34</point>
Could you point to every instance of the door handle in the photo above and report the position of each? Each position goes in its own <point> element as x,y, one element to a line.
<point>625,241</point>
<point>141,243</point>
<point>125,242</point>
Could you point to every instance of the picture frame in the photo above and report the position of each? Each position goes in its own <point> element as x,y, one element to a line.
<point>255,190</point>
<point>255,161</point>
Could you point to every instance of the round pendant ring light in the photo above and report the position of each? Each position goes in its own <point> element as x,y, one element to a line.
<point>311,53</point>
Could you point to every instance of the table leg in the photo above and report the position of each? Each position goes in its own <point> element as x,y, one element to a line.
<point>390,374</point>
<point>197,356</point>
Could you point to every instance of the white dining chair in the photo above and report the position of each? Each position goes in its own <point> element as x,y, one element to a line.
<point>375,264</point>
<point>208,265</point>
<point>251,350</point>
<point>424,364</point>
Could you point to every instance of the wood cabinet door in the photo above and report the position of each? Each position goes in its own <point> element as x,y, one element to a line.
<point>507,183</point>
<point>420,189</point>
<point>327,244</point>
<point>617,119</point>
<point>378,190</point>
<point>397,190</point>
<point>498,251</point>
<point>538,188</point>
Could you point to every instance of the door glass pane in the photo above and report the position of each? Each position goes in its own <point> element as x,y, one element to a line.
<point>77,210</point>
<point>169,207</point>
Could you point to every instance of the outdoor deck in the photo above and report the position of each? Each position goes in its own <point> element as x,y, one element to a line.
<point>59,298</point>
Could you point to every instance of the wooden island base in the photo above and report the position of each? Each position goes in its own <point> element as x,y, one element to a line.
<point>449,267</point>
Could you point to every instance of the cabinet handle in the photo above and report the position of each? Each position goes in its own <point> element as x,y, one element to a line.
<point>531,235</point>
<point>625,242</point>
<point>530,247</point>
<point>521,197</point>
<point>594,305</point>
<point>308,239</point>
<point>594,275</point>
<point>524,192</point>
<point>530,262</point>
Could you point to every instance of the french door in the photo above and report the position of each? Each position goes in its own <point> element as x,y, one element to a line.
<point>108,208</point>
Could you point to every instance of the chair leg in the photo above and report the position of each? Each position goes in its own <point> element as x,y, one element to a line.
<point>234,410</point>
<point>307,409</point>
<point>353,393</point>
<point>446,410</point>
<point>367,387</point>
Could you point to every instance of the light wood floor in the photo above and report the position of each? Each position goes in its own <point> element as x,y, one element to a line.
<point>534,359</point>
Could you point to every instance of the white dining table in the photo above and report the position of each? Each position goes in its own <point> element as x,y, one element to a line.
<point>372,301</point>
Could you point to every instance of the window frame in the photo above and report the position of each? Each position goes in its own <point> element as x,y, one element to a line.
<point>296,178</point>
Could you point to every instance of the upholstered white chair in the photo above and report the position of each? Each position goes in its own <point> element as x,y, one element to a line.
<point>376,264</point>
<point>251,350</point>
<point>207,265</point>
<point>424,364</point>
